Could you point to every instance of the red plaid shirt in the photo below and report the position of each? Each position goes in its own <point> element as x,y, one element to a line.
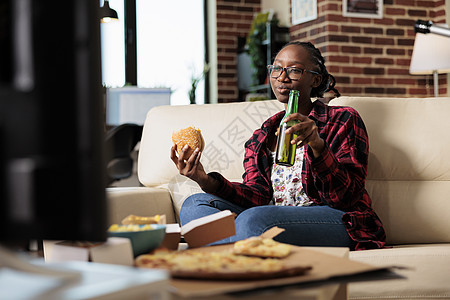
<point>336,178</point>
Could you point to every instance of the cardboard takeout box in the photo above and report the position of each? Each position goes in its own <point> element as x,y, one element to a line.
<point>115,250</point>
<point>209,229</point>
<point>325,268</point>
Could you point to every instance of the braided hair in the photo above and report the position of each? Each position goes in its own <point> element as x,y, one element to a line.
<point>328,81</point>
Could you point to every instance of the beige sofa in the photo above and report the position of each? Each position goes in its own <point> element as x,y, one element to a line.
<point>408,179</point>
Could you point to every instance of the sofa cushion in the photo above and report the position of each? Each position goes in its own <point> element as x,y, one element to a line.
<point>409,173</point>
<point>412,211</point>
<point>141,201</point>
<point>427,275</point>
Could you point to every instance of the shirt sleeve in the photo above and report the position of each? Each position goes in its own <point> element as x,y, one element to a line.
<point>339,172</point>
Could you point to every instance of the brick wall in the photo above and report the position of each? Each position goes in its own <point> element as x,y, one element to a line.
<point>371,57</point>
<point>234,18</point>
<point>368,57</point>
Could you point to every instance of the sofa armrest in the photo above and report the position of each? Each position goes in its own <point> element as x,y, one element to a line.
<point>140,201</point>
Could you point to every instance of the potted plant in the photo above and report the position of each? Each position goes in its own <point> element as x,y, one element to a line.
<point>195,80</point>
<point>255,45</point>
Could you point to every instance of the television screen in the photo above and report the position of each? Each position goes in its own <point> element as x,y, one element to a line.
<point>52,173</point>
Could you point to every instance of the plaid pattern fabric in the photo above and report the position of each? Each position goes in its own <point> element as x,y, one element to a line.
<point>336,178</point>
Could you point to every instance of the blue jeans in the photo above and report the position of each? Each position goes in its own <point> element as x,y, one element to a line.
<point>304,225</point>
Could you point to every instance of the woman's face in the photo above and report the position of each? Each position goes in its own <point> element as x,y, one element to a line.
<point>298,57</point>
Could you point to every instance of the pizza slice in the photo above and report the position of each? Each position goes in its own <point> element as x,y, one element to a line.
<point>223,265</point>
<point>262,247</point>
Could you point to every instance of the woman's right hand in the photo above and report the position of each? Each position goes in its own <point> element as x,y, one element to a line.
<point>191,167</point>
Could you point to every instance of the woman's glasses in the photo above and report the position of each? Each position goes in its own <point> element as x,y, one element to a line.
<point>291,72</point>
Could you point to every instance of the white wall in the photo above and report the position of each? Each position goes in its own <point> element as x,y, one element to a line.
<point>282,9</point>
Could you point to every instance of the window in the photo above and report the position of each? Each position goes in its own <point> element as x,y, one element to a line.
<point>113,48</point>
<point>171,46</point>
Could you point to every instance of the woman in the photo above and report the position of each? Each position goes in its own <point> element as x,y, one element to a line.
<point>321,200</point>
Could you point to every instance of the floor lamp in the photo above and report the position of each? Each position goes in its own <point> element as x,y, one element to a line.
<point>431,55</point>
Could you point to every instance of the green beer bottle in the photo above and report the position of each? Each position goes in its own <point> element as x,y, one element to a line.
<point>285,151</point>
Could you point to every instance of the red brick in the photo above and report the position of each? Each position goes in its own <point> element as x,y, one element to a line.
<point>361,39</point>
<point>225,58</point>
<point>384,41</point>
<point>342,59</point>
<point>333,69</point>
<point>374,90</point>
<point>373,71</point>
<point>352,70</point>
<point>405,42</point>
<point>395,91</point>
<point>352,29</point>
<point>228,16</point>
<point>372,30</point>
<point>245,9</point>
<point>405,22</point>
<point>394,31</point>
<point>405,81</point>
<point>332,28</point>
<point>319,40</point>
<point>225,75</point>
<point>417,91</point>
<point>373,51</point>
<point>384,81</point>
<point>394,11</point>
<point>417,13</point>
<point>395,51</point>
<point>342,79</point>
<point>384,61</point>
<point>351,90</point>
<point>332,6</point>
<point>384,21</point>
<point>361,60</point>
<point>424,3</point>
<point>338,38</point>
<point>403,62</point>
<point>224,41</point>
<point>350,49</point>
<point>335,18</point>
<point>405,2</point>
<point>398,71</point>
<point>362,80</point>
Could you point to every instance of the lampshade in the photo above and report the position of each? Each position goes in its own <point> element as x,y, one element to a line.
<point>431,54</point>
<point>107,14</point>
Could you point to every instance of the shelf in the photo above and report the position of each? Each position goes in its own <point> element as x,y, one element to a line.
<point>277,37</point>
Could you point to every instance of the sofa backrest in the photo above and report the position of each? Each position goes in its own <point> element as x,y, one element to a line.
<point>409,171</point>
<point>409,165</point>
<point>225,128</point>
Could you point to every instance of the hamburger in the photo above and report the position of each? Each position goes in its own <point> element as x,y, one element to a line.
<point>190,136</point>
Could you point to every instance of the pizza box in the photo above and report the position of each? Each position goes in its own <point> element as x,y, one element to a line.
<point>172,237</point>
<point>326,268</point>
<point>115,250</point>
<point>209,229</point>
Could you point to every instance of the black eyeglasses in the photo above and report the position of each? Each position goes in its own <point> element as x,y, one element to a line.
<point>291,72</point>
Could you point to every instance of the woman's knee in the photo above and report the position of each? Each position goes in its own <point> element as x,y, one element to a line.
<point>195,200</point>
<point>252,222</point>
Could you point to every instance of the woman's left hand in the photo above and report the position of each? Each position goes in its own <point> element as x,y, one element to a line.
<point>307,133</point>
